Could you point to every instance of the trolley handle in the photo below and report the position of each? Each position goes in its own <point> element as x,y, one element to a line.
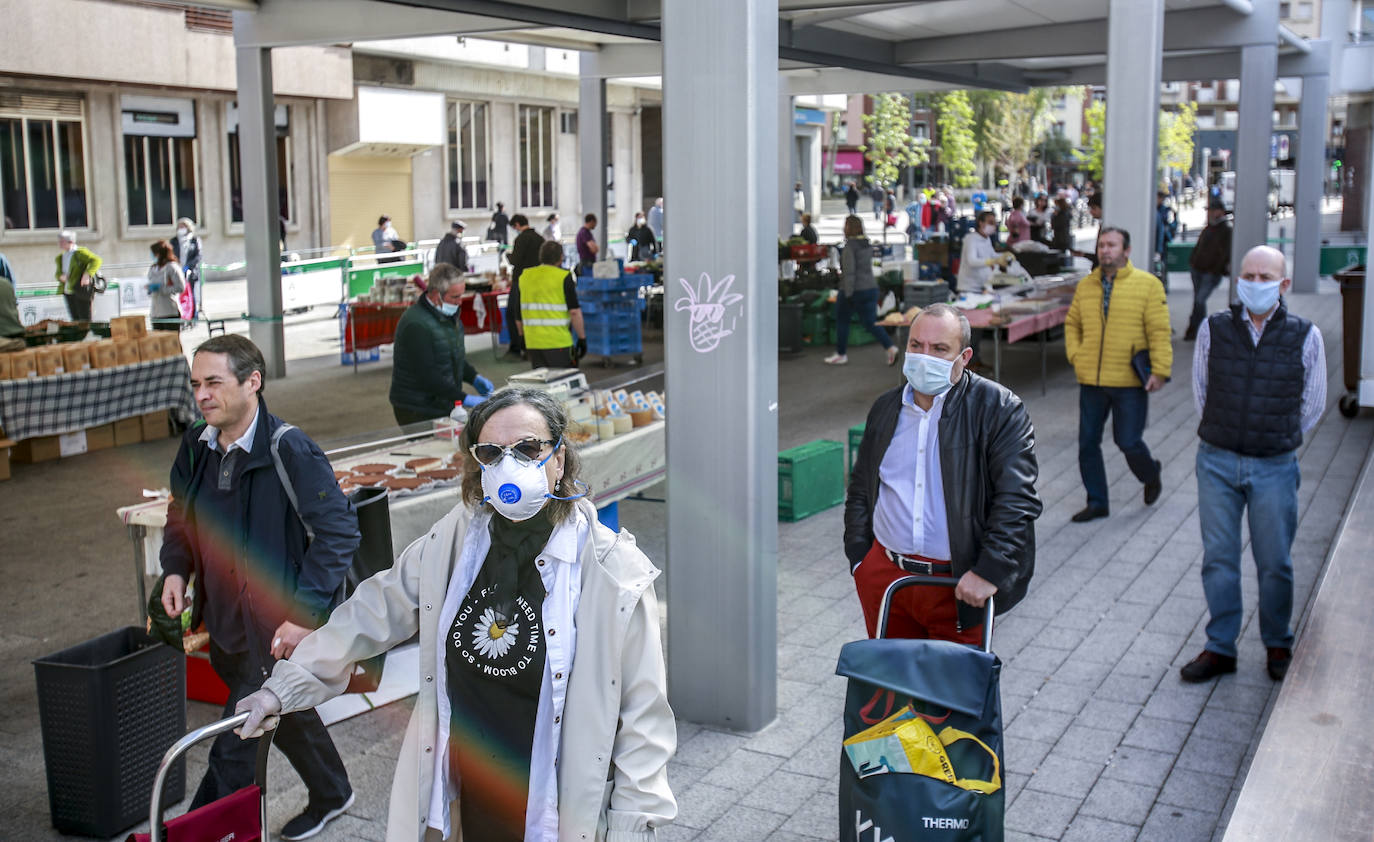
<point>181,746</point>
<point>885,610</point>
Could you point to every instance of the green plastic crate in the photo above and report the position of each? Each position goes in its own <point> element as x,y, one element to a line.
<point>810,479</point>
<point>815,328</point>
<point>856,435</point>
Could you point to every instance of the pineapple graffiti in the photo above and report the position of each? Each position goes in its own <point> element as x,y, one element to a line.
<point>707,306</point>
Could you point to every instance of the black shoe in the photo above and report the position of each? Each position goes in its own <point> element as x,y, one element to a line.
<point>1206,666</point>
<point>1279,659</point>
<point>1090,513</point>
<point>312,821</point>
<point>1190,334</point>
<point>1154,486</point>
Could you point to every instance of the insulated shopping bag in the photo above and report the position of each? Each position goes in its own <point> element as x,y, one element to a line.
<point>952,691</point>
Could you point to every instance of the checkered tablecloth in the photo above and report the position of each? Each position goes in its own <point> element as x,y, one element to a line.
<point>63,403</point>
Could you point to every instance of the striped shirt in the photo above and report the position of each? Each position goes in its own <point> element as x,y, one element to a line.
<point>1313,363</point>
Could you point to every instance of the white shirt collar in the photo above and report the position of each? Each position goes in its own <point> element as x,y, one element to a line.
<point>909,399</point>
<point>210,435</point>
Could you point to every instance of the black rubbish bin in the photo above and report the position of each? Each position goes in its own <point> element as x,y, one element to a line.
<point>108,709</point>
<point>372,557</point>
<point>1351,279</point>
<point>790,327</point>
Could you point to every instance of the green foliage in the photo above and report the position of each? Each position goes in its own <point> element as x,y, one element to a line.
<point>1015,128</point>
<point>1096,117</point>
<point>1177,130</point>
<point>958,147</point>
<point>889,145</point>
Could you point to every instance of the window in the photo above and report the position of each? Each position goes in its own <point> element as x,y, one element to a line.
<point>920,131</point>
<point>159,159</point>
<point>535,153</point>
<point>42,162</point>
<point>468,162</point>
<point>285,166</point>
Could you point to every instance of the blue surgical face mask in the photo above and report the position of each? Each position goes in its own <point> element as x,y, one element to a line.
<point>447,309</point>
<point>1259,297</point>
<point>926,374</point>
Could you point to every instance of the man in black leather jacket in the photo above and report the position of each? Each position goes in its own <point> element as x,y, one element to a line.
<point>954,497</point>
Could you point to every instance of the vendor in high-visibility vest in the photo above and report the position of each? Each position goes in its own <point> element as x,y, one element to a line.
<point>548,312</point>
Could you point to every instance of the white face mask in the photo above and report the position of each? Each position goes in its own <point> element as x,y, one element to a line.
<point>518,490</point>
<point>989,230</point>
<point>1259,297</point>
<point>926,374</point>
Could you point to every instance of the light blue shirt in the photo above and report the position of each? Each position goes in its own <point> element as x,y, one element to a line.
<point>210,435</point>
<point>910,516</point>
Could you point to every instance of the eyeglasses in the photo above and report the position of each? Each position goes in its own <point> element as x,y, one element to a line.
<point>525,451</point>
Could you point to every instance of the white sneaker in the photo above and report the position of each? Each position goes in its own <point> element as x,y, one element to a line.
<point>837,359</point>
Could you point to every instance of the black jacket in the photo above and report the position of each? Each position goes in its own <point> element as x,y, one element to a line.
<point>450,250</point>
<point>524,252</point>
<point>299,579</point>
<point>988,472</point>
<point>429,363</point>
<point>646,245</point>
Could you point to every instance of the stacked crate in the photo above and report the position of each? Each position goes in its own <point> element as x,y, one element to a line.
<point>611,312</point>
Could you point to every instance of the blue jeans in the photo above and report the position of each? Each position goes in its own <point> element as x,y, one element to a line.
<point>1228,482</point>
<point>1204,284</point>
<point>1128,407</point>
<point>865,304</point>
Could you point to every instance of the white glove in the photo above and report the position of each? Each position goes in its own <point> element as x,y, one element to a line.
<point>263,709</point>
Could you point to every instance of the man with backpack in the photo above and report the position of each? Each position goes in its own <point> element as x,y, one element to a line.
<point>258,518</point>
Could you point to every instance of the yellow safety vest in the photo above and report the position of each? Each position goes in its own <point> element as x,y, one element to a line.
<point>543,308</point>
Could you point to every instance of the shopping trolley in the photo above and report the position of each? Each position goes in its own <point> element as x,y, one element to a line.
<point>923,736</point>
<point>241,816</point>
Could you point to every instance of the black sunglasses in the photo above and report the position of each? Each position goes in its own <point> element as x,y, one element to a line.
<point>525,451</point>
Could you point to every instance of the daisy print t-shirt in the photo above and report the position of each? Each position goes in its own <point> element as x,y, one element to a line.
<point>495,656</point>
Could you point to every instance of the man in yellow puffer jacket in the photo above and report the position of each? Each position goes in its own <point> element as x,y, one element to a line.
<point>1117,312</point>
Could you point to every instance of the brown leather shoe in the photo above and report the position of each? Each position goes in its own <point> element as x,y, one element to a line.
<point>1278,662</point>
<point>1207,666</point>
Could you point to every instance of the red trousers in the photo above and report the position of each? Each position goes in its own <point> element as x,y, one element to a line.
<point>917,612</point>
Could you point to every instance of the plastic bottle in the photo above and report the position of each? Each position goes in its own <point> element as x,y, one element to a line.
<point>459,417</point>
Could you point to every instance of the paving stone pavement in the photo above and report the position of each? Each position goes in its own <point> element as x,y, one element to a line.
<point>1103,741</point>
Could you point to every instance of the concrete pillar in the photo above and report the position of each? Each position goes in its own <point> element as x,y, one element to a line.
<point>1307,199</point>
<point>720,63</point>
<point>787,164</point>
<point>1135,45</point>
<point>1254,126</point>
<point>261,214</point>
<point>592,150</point>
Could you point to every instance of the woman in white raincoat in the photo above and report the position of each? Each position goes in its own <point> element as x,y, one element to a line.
<point>543,710</point>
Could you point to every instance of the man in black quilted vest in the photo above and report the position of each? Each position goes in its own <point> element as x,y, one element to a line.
<point>1259,382</point>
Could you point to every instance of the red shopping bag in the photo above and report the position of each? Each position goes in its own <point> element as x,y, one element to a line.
<point>186,302</point>
<point>237,817</point>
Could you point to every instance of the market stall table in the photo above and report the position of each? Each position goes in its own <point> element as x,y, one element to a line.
<point>64,403</point>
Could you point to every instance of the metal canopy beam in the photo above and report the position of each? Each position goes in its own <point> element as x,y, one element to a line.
<point>294,23</point>
<point>1196,29</point>
<point>1223,65</point>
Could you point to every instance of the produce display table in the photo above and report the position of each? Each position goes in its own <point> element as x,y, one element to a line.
<point>63,403</point>
<point>367,325</point>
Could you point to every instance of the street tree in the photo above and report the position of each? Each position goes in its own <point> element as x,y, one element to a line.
<point>958,148</point>
<point>888,143</point>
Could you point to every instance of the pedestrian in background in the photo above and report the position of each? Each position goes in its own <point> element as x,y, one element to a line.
<point>450,249</point>
<point>547,312</point>
<point>851,198</point>
<point>186,248</point>
<point>656,220</point>
<point>11,329</point>
<point>858,294</point>
<point>1018,228</point>
<point>165,284</point>
<point>1118,311</point>
<point>643,244</point>
<point>878,195</point>
<point>587,247</point>
<point>1259,383</point>
<point>76,270</point>
<point>385,240</point>
<point>550,230</point>
<point>808,233</point>
<point>499,222</point>
<point>268,561</point>
<point>1209,263</point>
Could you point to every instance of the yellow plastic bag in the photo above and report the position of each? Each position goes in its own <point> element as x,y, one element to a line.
<point>906,744</point>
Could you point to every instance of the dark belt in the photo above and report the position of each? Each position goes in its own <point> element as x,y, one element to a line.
<point>919,566</point>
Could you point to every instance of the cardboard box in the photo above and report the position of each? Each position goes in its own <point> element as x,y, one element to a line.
<point>104,354</point>
<point>172,340</point>
<point>128,327</point>
<point>76,356</point>
<point>128,431</point>
<point>40,449</point>
<point>23,364</point>
<point>126,351</point>
<point>100,438</point>
<point>48,360</point>
<point>155,425</point>
<point>150,347</point>
<point>5,445</point>
<point>4,366</point>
